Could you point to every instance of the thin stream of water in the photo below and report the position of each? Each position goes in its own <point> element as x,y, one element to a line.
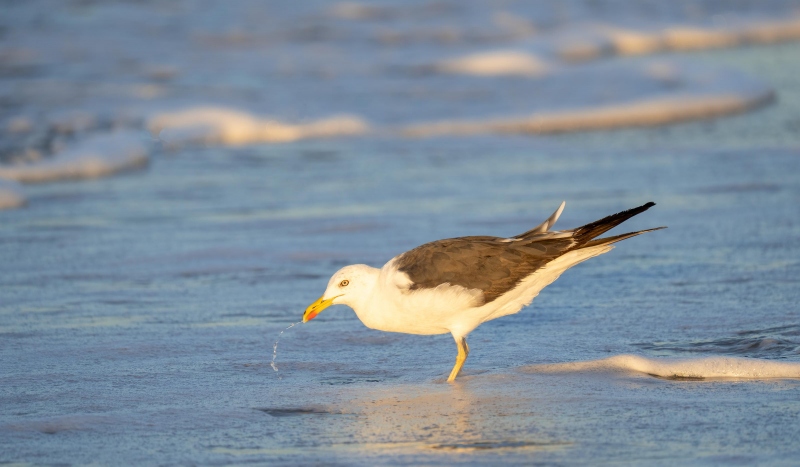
<point>275,347</point>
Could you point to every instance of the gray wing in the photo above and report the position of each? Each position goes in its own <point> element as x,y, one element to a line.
<point>496,265</point>
<point>490,264</point>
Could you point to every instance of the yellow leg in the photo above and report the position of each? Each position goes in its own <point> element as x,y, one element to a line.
<point>463,352</point>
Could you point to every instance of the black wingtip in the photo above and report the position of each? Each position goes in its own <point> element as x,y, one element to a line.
<point>597,228</point>
<point>619,238</point>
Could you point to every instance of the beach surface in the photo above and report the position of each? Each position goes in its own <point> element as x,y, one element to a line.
<point>179,180</point>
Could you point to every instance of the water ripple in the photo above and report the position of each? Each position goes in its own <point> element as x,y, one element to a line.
<point>773,343</point>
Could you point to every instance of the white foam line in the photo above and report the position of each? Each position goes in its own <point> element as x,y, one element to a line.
<point>495,63</point>
<point>94,157</point>
<point>705,368</point>
<point>229,126</point>
<point>705,94</point>
<point>591,41</point>
<point>647,112</point>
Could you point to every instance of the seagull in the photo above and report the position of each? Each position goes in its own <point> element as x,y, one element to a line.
<point>456,284</point>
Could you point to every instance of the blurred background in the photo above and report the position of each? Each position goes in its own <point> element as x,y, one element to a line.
<point>178,180</point>
<point>78,75</point>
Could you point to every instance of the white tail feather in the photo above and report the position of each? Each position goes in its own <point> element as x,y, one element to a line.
<point>549,222</point>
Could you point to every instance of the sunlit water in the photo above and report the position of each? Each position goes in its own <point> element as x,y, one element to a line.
<point>137,313</point>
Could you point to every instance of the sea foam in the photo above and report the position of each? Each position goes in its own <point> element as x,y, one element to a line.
<point>497,63</point>
<point>96,156</point>
<point>580,42</point>
<point>684,368</point>
<point>230,126</point>
<point>694,92</point>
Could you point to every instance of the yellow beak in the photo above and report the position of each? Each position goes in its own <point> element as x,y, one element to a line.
<point>314,309</point>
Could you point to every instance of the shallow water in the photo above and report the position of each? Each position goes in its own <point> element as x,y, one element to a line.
<point>138,312</point>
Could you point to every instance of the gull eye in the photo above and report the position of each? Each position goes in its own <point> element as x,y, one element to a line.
<point>344,283</point>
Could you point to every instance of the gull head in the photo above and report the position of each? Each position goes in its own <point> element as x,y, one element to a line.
<point>348,286</point>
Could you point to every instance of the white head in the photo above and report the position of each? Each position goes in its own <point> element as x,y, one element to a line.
<point>351,286</point>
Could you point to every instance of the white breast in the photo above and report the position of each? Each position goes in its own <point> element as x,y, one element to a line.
<point>394,307</point>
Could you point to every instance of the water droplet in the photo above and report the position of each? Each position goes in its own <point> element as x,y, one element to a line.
<point>275,347</point>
